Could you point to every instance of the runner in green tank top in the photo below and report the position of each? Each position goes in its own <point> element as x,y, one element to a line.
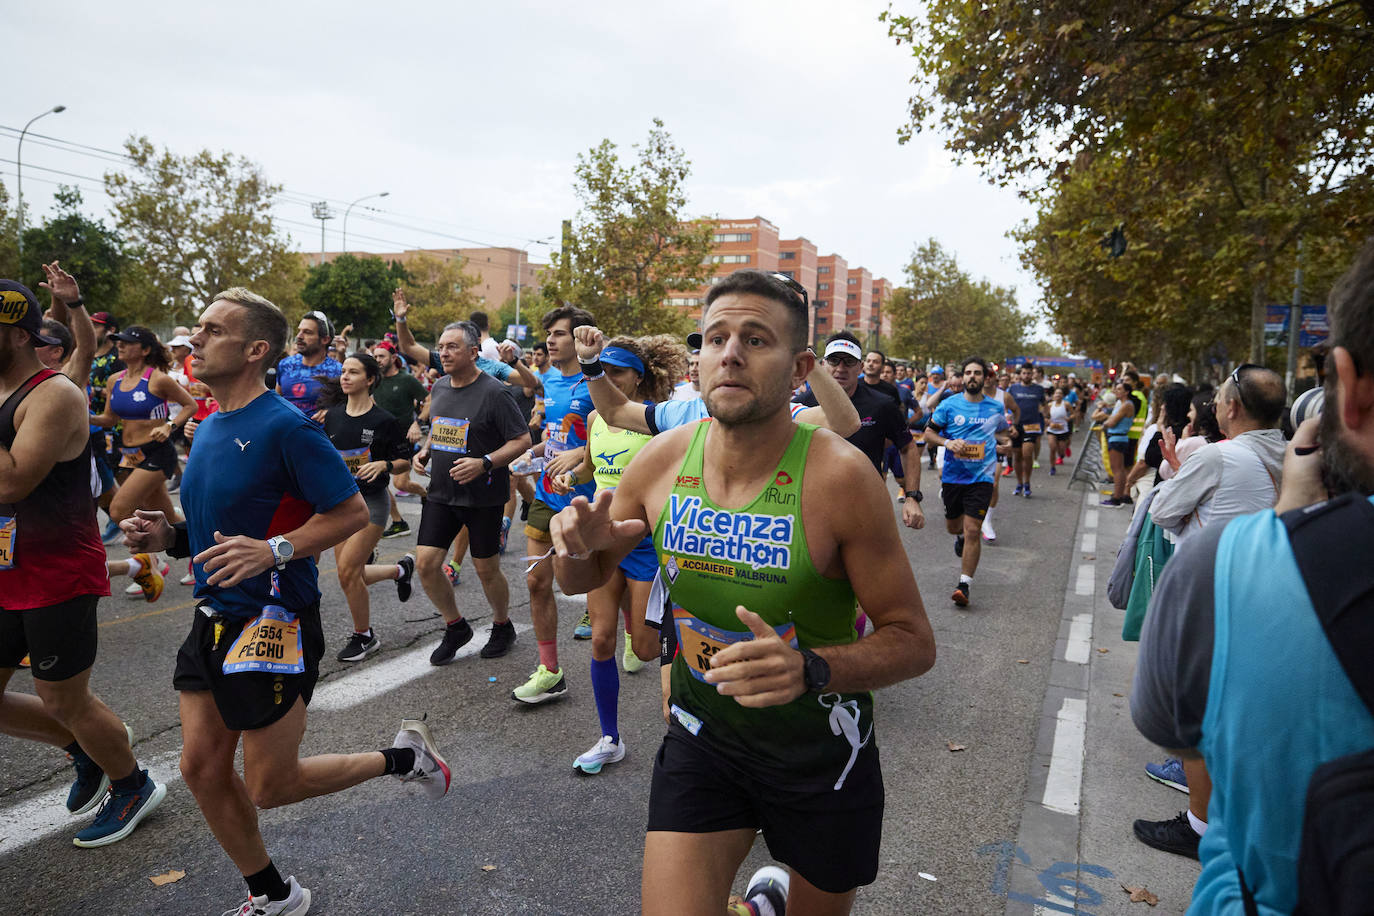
<point>644,369</point>
<point>771,723</point>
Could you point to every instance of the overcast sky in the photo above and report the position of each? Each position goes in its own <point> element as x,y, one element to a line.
<point>472,115</point>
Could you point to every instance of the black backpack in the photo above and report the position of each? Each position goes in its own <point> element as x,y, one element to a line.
<point>1331,542</point>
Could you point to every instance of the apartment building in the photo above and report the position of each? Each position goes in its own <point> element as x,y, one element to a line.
<point>495,268</point>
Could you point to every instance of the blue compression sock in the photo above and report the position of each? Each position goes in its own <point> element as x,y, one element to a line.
<point>606,689</point>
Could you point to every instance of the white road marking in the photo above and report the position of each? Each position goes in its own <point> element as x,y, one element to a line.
<point>1065,781</point>
<point>46,813</point>
<point>1080,639</point>
<point>369,681</point>
<point>1089,542</point>
<point>1087,580</point>
<point>1090,518</point>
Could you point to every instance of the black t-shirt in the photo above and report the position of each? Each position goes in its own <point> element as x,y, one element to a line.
<point>471,421</point>
<point>886,388</point>
<point>880,421</point>
<point>373,436</point>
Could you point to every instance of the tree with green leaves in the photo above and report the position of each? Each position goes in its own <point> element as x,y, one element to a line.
<point>438,291</point>
<point>1260,113</point>
<point>354,291</point>
<point>632,242</point>
<point>944,314</point>
<point>9,237</point>
<point>87,249</point>
<point>200,224</point>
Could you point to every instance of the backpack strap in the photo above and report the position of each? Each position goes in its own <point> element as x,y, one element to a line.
<point>1330,542</point>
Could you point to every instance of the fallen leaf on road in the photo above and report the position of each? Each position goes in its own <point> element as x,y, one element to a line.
<point>1118,694</point>
<point>1141,895</point>
<point>1104,651</point>
<point>1023,661</point>
<point>1090,556</point>
<point>956,747</point>
<point>488,868</point>
<point>170,877</point>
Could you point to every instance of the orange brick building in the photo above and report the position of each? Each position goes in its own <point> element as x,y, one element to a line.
<point>494,268</point>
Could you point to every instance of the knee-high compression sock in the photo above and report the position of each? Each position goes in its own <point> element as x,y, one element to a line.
<point>606,690</point>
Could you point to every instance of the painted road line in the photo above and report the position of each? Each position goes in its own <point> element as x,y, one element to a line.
<point>46,813</point>
<point>1089,544</point>
<point>1079,644</point>
<point>368,682</point>
<point>1090,519</point>
<point>1086,583</point>
<point>1065,782</point>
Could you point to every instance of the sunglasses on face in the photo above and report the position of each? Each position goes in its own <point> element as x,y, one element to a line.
<point>839,359</point>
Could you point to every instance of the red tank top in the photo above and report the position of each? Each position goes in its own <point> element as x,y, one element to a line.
<point>55,553</point>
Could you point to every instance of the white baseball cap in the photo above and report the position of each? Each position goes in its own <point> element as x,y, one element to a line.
<point>181,340</point>
<point>845,348</point>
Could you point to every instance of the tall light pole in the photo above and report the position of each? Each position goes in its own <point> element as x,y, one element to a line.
<point>350,207</point>
<point>19,169</point>
<point>519,272</point>
<point>321,212</point>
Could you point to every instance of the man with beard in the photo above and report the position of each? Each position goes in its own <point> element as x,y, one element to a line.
<point>298,375</point>
<point>1236,658</point>
<point>973,430</point>
<point>771,716</point>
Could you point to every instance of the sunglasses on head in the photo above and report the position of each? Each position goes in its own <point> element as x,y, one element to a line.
<point>794,286</point>
<point>1235,380</point>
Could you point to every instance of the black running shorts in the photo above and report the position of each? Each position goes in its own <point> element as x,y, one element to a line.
<point>59,639</point>
<point>830,837</point>
<point>157,456</point>
<point>440,524</point>
<point>247,700</point>
<point>971,499</point>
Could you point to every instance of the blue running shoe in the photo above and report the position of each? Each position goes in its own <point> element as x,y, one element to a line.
<point>583,630</point>
<point>1019,488</point>
<point>505,532</point>
<point>1170,772</point>
<point>121,813</point>
<point>111,534</point>
<point>1026,491</point>
<point>88,789</point>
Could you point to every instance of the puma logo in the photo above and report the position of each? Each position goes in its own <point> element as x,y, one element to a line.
<point>242,445</point>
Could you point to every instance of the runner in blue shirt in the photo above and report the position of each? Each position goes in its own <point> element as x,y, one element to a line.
<point>1034,413</point>
<point>298,374</point>
<point>973,430</point>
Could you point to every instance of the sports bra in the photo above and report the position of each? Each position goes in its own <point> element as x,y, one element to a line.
<point>138,402</point>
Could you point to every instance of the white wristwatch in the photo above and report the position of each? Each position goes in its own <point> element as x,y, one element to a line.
<point>282,551</point>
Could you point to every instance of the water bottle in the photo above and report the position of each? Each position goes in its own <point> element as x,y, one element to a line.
<point>533,466</point>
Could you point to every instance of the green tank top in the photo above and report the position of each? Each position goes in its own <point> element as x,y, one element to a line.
<point>611,452</point>
<point>713,559</point>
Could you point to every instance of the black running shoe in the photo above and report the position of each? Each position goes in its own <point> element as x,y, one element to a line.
<point>407,565</point>
<point>960,594</point>
<point>396,529</point>
<point>1175,835</point>
<point>359,647</point>
<point>501,639</point>
<point>456,635</point>
<point>958,545</point>
<point>524,511</point>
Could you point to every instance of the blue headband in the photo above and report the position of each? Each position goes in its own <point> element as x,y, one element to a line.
<point>619,356</point>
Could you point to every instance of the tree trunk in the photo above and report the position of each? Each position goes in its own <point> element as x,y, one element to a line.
<point>1259,299</point>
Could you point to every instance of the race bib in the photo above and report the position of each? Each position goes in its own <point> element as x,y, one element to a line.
<point>270,643</point>
<point>354,457</point>
<point>9,530</point>
<point>974,451</point>
<point>131,457</point>
<point>1030,428</point>
<point>448,434</point>
<point>557,440</point>
<point>699,642</point>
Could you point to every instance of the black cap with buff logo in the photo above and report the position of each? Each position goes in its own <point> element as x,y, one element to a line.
<point>19,309</point>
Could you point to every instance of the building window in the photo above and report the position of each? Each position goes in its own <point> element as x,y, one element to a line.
<point>852,312</point>
<point>734,237</point>
<point>821,319</point>
<point>852,296</point>
<point>853,281</point>
<point>787,255</point>
<point>729,259</point>
<point>822,286</point>
<point>823,269</point>
<point>684,301</point>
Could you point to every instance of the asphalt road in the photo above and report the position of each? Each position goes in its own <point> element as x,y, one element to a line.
<point>519,832</point>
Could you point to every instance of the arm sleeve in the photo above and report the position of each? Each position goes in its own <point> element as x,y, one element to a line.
<point>939,418</point>
<point>1174,667</point>
<point>316,470</point>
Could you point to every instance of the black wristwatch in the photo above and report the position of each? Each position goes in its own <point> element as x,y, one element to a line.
<point>915,494</point>
<point>486,463</point>
<point>815,671</point>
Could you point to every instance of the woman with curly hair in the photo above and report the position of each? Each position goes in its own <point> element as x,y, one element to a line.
<point>644,369</point>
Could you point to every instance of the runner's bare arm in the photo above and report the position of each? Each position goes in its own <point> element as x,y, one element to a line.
<point>405,341</point>
<point>64,290</point>
<point>164,386</point>
<point>766,671</point>
<point>232,559</point>
<point>1010,403</point>
<point>834,410</point>
<point>610,401</point>
<point>48,430</point>
<point>528,380</point>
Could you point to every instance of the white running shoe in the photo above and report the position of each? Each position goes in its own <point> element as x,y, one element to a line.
<point>770,883</point>
<point>429,769</point>
<point>188,579</point>
<point>629,661</point>
<point>603,752</point>
<point>988,534</point>
<point>297,903</point>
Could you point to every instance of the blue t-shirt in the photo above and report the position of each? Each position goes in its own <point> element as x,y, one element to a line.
<point>566,405</point>
<point>1028,399</point>
<point>978,422</point>
<point>498,370</point>
<point>298,382</point>
<point>667,415</point>
<point>261,470</point>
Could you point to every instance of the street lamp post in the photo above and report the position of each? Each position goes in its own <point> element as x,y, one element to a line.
<point>19,170</point>
<point>520,274</point>
<point>350,207</point>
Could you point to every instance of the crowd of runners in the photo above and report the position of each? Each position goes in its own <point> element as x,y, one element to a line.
<point>685,486</point>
